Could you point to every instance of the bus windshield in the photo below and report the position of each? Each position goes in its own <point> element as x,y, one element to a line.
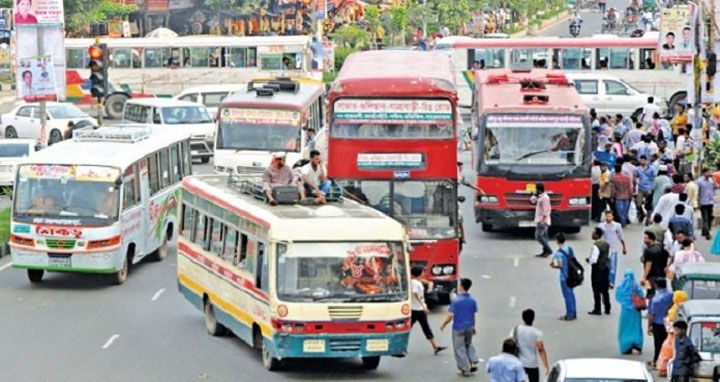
<point>259,129</point>
<point>342,272</point>
<point>86,193</point>
<point>533,140</point>
<point>185,115</point>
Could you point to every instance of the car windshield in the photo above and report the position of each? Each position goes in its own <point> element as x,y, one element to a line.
<point>703,289</point>
<point>533,140</point>
<point>65,112</point>
<point>426,208</point>
<point>67,192</point>
<point>14,150</point>
<point>706,336</point>
<point>259,129</point>
<point>184,115</point>
<point>342,272</point>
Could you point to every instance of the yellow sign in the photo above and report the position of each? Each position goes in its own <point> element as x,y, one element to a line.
<point>530,187</point>
<point>314,346</point>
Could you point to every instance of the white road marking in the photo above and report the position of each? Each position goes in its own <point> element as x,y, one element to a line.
<point>6,266</point>
<point>157,294</point>
<point>516,262</point>
<point>512,301</point>
<point>485,276</point>
<point>110,341</point>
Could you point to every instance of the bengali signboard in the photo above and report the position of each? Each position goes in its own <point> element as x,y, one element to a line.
<point>62,172</point>
<point>520,120</point>
<point>39,12</point>
<point>260,116</point>
<point>36,80</point>
<point>392,161</point>
<point>677,34</point>
<point>386,111</point>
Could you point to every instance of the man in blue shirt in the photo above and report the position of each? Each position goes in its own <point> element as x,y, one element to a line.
<point>506,367</point>
<point>658,309</point>
<point>462,314</point>
<point>644,177</point>
<point>560,261</point>
<point>680,222</point>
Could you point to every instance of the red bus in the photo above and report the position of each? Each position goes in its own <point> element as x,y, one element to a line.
<point>532,127</point>
<point>393,146</point>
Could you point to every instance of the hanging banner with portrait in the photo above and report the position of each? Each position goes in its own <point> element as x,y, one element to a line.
<point>36,79</point>
<point>677,34</point>
<point>39,13</point>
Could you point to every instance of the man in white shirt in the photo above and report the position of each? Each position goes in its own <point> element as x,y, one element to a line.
<point>530,345</point>
<point>420,309</point>
<point>314,177</point>
<point>666,206</point>
<point>648,111</point>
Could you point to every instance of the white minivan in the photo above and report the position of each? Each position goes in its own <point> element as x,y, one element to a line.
<point>12,153</point>
<point>610,95</point>
<point>188,117</point>
<point>210,95</point>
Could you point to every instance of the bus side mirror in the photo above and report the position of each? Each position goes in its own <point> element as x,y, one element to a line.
<point>118,181</point>
<point>409,248</point>
<point>461,199</point>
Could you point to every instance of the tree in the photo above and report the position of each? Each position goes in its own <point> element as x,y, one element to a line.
<point>372,16</point>
<point>454,14</point>
<point>79,14</point>
<point>351,36</point>
<point>399,23</point>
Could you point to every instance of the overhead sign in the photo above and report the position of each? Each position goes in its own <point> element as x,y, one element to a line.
<point>385,161</point>
<point>260,116</point>
<point>677,34</point>
<point>518,120</point>
<point>378,111</point>
<point>39,12</point>
<point>36,79</point>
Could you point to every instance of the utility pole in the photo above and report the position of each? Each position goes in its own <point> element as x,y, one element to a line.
<point>43,104</point>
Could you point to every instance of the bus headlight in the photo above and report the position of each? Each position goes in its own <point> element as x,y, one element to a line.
<point>578,201</point>
<point>448,269</point>
<point>437,270</point>
<point>488,199</point>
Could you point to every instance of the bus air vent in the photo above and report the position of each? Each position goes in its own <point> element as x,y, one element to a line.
<point>126,134</point>
<point>347,313</point>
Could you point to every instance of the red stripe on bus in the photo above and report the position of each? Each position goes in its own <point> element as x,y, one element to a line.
<point>223,271</point>
<point>200,192</point>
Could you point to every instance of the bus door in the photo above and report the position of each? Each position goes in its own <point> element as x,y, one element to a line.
<point>132,211</point>
<point>261,272</point>
<point>144,202</point>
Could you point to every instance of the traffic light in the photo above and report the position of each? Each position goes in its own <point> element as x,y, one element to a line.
<point>98,70</point>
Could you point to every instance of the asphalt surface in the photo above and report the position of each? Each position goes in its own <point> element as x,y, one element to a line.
<point>592,22</point>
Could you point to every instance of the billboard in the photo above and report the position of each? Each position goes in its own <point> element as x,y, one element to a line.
<point>36,80</point>
<point>677,34</point>
<point>53,45</point>
<point>39,13</point>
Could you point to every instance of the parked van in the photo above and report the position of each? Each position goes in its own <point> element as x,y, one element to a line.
<point>185,116</point>
<point>611,95</point>
<point>210,95</point>
<point>12,153</point>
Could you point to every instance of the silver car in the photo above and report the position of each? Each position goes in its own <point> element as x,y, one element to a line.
<point>599,370</point>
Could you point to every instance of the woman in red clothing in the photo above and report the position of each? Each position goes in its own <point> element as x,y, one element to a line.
<point>24,12</point>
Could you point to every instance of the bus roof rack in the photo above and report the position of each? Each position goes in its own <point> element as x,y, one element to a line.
<point>279,84</point>
<point>252,185</point>
<point>125,134</point>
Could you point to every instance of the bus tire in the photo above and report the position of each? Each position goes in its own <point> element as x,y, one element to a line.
<point>205,159</point>
<point>571,229</point>
<point>161,253</point>
<point>371,363</point>
<point>55,137</point>
<point>121,276</point>
<point>487,227</point>
<point>10,133</point>
<point>35,275</point>
<point>443,298</point>
<point>213,327</point>
<point>271,363</point>
<point>677,98</point>
<point>114,105</point>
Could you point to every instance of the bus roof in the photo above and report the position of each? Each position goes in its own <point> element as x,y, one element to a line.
<point>190,41</point>
<point>305,96</point>
<point>107,152</point>
<point>500,90</point>
<point>162,102</point>
<point>648,40</point>
<point>346,221</point>
<point>396,73</point>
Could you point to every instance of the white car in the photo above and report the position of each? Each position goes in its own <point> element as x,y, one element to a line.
<point>610,95</point>
<point>599,370</point>
<point>12,153</point>
<point>24,121</point>
<point>187,117</point>
<point>210,95</point>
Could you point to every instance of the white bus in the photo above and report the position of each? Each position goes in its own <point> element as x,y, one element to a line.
<point>98,203</point>
<point>295,281</point>
<point>272,115</point>
<point>632,59</point>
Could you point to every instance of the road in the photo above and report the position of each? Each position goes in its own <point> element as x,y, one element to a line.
<point>592,22</point>
<point>78,327</point>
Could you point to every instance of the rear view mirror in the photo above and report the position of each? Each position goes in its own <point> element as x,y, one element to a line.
<point>118,181</point>
<point>461,199</point>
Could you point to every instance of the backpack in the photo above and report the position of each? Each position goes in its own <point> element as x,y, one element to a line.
<point>576,272</point>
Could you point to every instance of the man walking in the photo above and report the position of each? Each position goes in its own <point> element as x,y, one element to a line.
<point>644,177</point>
<point>622,189</point>
<point>462,314</point>
<point>600,270</point>
<point>612,232</point>
<point>561,261</point>
<point>530,346</point>
<point>658,309</point>
<point>685,354</point>
<point>542,219</point>
<point>655,260</point>
<point>420,309</point>
<point>506,367</point>
<point>706,196</point>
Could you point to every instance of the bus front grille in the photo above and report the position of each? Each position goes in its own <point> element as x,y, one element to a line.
<point>345,312</point>
<point>345,344</point>
<point>523,199</point>
<point>60,244</point>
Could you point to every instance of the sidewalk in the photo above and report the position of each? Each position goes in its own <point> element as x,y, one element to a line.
<point>544,25</point>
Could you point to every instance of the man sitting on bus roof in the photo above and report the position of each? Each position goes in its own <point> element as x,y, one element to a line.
<point>278,174</point>
<point>314,176</point>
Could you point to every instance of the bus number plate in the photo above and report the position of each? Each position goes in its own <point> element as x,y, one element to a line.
<point>60,262</point>
<point>377,345</point>
<point>314,346</point>
<point>526,223</point>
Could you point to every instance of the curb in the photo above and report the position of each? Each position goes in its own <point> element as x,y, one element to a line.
<point>561,17</point>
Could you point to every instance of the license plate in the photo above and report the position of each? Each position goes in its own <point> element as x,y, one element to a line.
<point>377,345</point>
<point>60,262</point>
<point>526,224</point>
<point>314,346</point>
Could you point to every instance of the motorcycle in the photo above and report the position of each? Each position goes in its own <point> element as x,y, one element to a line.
<point>575,27</point>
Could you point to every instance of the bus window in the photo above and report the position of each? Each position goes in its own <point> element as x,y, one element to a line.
<point>576,59</point>
<point>556,58</point>
<point>121,58</point>
<point>76,58</point>
<point>538,57</point>
<point>216,239</point>
<point>199,57</point>
<point>156,57</point>
<point>241,57</point>
<point>647,59</point>
<point>620,59</point>
<point>200,237</point>
<point>242,259</point>
<point>262,279</point>
<point>137,54</point>
<point>214,57</point>
<point>186,161</point>
<point>187,222</point>
<point>491,58</point>
<point>153,173</point>
<point>278,61</point>
<point>230,250</point>
<point>427,208</point>
<point>164,169</point>
<point>602,58</point>
<point>129,189</point>
<point>175,164</point>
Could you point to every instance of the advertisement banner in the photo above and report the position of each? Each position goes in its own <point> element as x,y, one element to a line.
<point>181,4</point>
<point>39,13</point>
<point>157,5</point>
<point>53,45</point>
<point>260,116</point>
<point>677,34</point>
<point>321,9</point>
<point>36,79</point>
<point>356,111</point>
<point>384,161</point>
<point>5,18</point>
<point>328,55</point>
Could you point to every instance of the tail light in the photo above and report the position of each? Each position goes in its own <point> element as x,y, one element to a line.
<point>110,242</point>
<point>19,240</point>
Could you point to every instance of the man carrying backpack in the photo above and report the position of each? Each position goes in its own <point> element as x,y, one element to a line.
<point>564,260</point>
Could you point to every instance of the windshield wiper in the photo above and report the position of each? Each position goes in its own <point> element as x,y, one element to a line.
<point>531,154</point>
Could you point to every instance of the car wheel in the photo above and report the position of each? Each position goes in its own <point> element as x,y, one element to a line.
<point>55,137</point>
<point>371,363</point>
<point>35,275</point>
<point>114,105</point>
<point>10,132</point>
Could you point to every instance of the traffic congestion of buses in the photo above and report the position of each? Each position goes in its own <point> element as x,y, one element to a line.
<point>299,262</point>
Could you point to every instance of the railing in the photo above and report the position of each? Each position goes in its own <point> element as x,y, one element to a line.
<point>251,184</point>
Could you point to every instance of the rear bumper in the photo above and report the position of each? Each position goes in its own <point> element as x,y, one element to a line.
<point>81,262</point>
<point>340,346</point>
<point>498,218</point>
<point>201,147</point>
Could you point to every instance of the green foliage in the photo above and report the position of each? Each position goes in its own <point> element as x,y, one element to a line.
<point>454,14</point>
<point>79,14</point>
<point>341,54</point>
<point>399,23</point>
<point>711,155</point>
<point>329,76</point>
<point>6,3</point>
<point>5,225</point>
<point>352,36</point>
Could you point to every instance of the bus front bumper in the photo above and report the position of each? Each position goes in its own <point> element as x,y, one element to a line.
<point>498,218</point>
<point>340,345</point>
<point>90,262</point>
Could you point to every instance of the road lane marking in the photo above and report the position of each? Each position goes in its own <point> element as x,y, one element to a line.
<point>157,294</point>
<point>512,301</point>
<point>516,262</point>
<point>6,266</point>
<point>110,341</point>
<point>485,276</point>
